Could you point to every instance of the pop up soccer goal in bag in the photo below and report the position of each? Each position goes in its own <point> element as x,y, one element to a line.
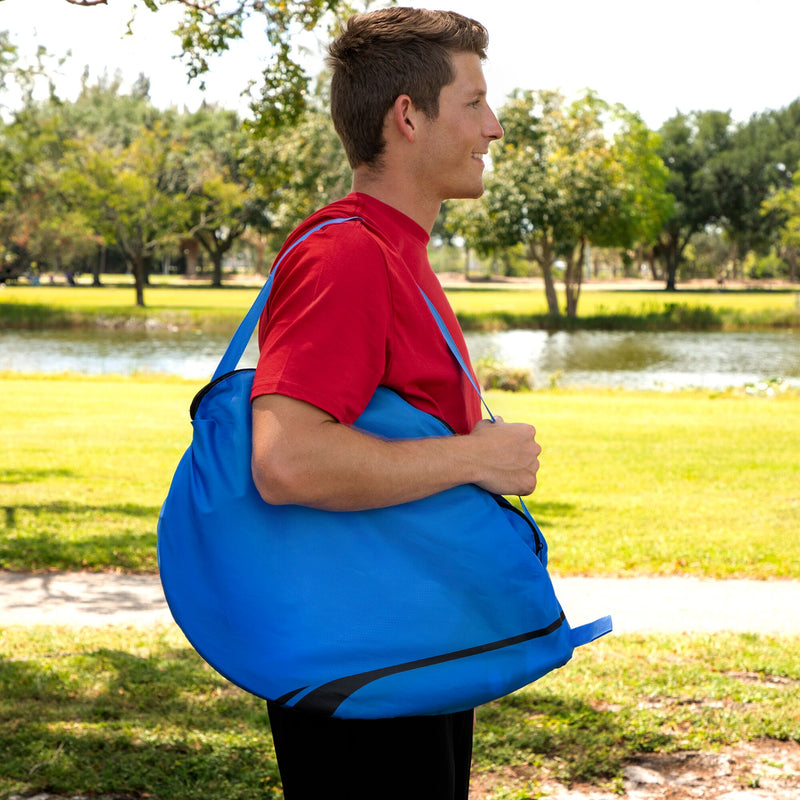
<point>428,607</point>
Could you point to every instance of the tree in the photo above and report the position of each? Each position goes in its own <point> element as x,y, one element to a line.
<point>210,27</point>
<point>688,142</point>
<point>785,204</point>
<point>138,195</point>
<point>301,170</point>
<point>758,161</point>
<point>224,197</point>
<point>38,226</point>
<point>8,58</point>
<point>567,175</point>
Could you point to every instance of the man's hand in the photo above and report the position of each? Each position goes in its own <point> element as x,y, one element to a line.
<point>510,455</point>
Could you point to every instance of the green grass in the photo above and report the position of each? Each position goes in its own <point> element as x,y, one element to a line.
<point>87,462</point>
<point>196,308</point>
<point>204,308</point>
<point>126,711</point>
<point>696,483</point>
<point>631,483</point>
<point>632,694</point>
<point>137,713</point>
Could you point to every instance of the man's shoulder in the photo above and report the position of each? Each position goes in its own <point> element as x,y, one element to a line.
<point>345,222</point>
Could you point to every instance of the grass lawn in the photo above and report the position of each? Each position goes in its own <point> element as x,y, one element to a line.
<point>631,483</point>
<point>137,713</point>
<point>697,483</point>
<point>201,307</point>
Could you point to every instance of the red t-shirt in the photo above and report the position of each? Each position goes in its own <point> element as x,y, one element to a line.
<point>345,316</point>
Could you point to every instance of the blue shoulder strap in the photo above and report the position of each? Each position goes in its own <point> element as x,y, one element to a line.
<point>241,337</point>
<point>457,354</point>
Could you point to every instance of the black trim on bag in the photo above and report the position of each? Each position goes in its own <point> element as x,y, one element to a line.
<point>327,698</point>
<point>209,386</point>
<point>504,502</point>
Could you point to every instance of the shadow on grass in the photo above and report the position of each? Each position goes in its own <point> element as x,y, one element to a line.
<point>108,721</point>
<point>72,536</point>
<point>64,507</point>
<point>14,475</point>
<point>547,513</point>
<point>580,743</point>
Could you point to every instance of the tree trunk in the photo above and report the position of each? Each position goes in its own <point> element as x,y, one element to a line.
<point>791,255</point>
<point>671,255</point>
<point>138,265</point>
<point>99,266</point>
<point>216,259</point>
<point>652,263</point>
<point>544,258</point>
<point>736,261</point>
<point>574,278</point>
<point>191,252</point>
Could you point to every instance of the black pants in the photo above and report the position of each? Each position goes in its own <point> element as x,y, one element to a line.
<point>408,758</point>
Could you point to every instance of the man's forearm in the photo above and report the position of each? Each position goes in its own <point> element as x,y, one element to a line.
<point>301,455</point>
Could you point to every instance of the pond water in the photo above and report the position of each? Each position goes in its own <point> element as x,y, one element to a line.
<point>637,360</point>
<point>663,360</point>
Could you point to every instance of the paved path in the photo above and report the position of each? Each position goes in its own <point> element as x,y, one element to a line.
<point>636,604</point>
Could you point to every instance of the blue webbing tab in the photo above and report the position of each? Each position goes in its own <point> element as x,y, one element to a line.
<point>241,337</point>
<point>584,634</point>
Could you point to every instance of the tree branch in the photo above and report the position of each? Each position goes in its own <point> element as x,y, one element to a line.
<point>88,2</point>
<point>210,8</point>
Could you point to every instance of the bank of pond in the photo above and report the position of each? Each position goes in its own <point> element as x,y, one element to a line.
<point>658,360</point>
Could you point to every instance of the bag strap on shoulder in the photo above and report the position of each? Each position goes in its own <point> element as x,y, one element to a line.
<point>238,343</point>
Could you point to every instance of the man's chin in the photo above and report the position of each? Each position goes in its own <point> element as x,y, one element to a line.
<point>470,194</point>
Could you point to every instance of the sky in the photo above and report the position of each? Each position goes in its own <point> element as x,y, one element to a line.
<point>654,58</point>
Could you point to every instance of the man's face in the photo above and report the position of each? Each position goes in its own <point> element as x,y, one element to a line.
<point>454,144</point>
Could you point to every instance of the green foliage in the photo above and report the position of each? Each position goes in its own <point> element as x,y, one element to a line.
<point>494,375</point>
<point>722,175</point>
<point>783,205</point>
<point>768,267</point>
<point>561,181</point>
<point>138,194</point>
<point>210,28</point>
<point>224,196</point>
<point>306,170</point>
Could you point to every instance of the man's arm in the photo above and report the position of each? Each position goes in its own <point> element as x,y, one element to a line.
<point>302,455</point>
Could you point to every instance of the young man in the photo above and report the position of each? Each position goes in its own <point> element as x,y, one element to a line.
<point>408,99</point>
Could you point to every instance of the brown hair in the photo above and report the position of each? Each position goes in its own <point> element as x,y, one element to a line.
<point>380,55</point>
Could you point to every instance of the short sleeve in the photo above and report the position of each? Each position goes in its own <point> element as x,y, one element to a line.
<point>323,337</point>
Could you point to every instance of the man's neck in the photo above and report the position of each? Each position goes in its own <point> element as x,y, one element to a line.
<point>395,194</point>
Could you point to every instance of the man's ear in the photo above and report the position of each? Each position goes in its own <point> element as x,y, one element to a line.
<point>404,117</point>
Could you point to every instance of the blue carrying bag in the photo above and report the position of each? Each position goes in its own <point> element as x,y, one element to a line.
<point>427,607</point>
